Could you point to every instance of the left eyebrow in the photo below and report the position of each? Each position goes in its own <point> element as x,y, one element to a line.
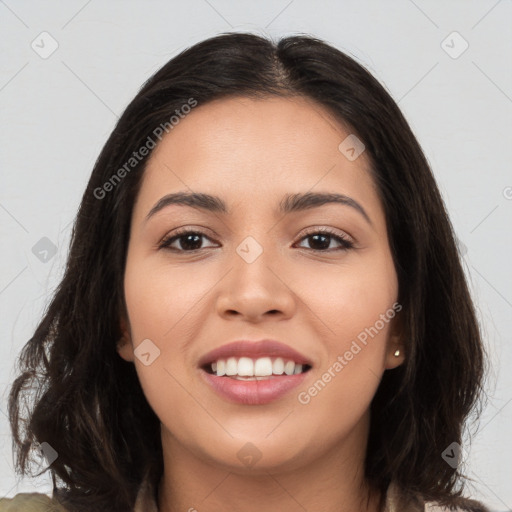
<point>290,202</point>
<point>304,201</point>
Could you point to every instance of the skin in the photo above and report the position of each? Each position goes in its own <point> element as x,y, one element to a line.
<point>250,153</point>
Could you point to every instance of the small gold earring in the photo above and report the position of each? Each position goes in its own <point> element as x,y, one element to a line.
<point>397,353</point>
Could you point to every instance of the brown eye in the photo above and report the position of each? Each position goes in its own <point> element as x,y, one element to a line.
<point>188,241</point>
<point>320,241</point>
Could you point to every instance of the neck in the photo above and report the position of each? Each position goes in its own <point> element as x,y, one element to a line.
<point>333,482</point>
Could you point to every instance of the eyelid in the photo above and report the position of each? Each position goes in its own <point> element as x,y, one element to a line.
<point>346,241</point>
<point>182,231</point>
<point>327,230</point>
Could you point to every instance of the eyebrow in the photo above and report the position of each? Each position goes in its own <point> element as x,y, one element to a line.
<point>290,202</point>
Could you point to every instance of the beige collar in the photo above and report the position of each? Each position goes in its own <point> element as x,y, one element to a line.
<point>146,497</point>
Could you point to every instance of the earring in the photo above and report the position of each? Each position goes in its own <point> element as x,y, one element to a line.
<point>397,353</point>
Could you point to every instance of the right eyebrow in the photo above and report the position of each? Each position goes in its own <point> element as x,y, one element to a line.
<point>193,199</point>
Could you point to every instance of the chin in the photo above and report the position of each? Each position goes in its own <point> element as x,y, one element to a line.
<point>256,454</point>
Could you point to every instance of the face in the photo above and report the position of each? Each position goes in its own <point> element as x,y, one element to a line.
<point>258,272</point>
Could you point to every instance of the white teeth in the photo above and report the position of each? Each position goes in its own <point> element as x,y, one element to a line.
<point>278,366</point>
<point>231,366</point>
<point>244,368</point>
<point>289,367</point>
<point>221,368</point>
<point>263,367</point>
<point>249,378</point>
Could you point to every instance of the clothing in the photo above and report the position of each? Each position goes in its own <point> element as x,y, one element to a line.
<point>146,502</point>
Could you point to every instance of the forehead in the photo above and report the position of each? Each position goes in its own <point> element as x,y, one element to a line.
<point>254,151</point>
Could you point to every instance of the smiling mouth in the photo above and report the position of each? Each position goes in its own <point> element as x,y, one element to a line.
<point>249,369</point>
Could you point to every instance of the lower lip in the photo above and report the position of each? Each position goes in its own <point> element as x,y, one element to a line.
<point>253,392</point>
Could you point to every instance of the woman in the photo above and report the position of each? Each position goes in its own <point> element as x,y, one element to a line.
<point>204,351</point>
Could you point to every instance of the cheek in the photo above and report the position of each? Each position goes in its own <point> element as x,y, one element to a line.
<point>159,298</point>
<point>354,309</point>
<point>350,298</point>
<point>155,312</point>
<point>163,303</point>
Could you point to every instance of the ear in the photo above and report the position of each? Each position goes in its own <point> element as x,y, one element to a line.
<point>124,345</point>
<point>395,342</point>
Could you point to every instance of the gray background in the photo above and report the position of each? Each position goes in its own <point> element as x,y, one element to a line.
<point>58,110</point>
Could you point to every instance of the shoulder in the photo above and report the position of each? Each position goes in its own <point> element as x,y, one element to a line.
<point>30,502</point>
<point>397,500</point>
<point>468,505</point>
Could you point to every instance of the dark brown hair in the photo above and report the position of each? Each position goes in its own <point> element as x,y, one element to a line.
<point>89,405</point>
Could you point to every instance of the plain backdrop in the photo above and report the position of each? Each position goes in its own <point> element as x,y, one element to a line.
<point>69,68</point>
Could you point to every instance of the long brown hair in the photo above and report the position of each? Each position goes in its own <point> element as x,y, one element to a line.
<point>89,406</point>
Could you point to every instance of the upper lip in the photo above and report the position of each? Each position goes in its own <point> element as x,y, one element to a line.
<point>255,349</point>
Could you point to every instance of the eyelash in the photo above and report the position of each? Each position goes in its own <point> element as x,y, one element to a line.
<point>345,243</point>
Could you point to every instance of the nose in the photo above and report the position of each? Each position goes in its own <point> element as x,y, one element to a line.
<point>256,291</point>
